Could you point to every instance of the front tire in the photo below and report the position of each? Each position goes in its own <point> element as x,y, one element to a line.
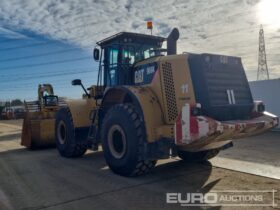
<point>123,135</point>
<point>198,156</point>
<point>70,142</point>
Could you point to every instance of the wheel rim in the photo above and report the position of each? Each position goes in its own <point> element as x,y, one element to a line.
<point>117,141</point>
<point>61,130</point>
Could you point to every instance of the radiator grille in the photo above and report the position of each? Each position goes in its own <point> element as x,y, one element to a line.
<point>169,91</point>
<point>212,79</point>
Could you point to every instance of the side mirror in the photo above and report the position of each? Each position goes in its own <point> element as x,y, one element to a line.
<point>96,54</point>
<point>76,82</point>
<point>79,82</point>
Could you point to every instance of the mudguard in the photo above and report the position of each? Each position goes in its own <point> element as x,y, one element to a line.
<point>145,102</point>
<point>80,110</point>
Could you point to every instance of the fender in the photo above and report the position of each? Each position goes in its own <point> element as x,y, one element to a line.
<point>80,110</point>
<point>145,102</point>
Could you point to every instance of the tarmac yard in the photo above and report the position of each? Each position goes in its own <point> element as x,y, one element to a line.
<point>43,180</point>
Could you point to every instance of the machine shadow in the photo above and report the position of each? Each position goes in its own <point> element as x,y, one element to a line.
<point>10,137</point>
<point>176,176</point>
<point>182,177</point>
<point>171,176</point>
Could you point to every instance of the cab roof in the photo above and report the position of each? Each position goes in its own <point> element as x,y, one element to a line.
<point>129,37</point>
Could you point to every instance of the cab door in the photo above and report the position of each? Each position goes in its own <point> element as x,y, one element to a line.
<point>111,66</point>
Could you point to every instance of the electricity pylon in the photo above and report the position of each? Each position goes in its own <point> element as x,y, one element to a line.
<point>262,67</point>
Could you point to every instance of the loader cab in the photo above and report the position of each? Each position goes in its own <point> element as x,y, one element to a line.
<point>46,97</point>
<point>120,52</point>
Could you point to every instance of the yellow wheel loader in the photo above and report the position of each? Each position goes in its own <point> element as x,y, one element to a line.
<point>151,103</point>
<point>39,120</point>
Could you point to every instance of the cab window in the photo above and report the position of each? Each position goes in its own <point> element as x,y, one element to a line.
<point>113,65</point>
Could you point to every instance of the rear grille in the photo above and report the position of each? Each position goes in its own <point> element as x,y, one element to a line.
<point>214,77</point>
<point>219,82</point>
<point>169,91</point>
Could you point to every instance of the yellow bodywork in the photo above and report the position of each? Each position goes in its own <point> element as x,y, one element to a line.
<point>161,107</point>
<point>80,110</point>
<point>158,114</point>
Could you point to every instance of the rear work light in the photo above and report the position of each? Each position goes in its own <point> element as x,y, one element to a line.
<point>259,106</point>
<point>196,110</point>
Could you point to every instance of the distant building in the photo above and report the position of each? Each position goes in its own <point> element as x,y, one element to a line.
<point>267,91</point>
<point>12,112</point>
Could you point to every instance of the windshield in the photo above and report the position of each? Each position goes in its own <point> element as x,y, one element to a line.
<point>119,58</point>
<point>132,54</point>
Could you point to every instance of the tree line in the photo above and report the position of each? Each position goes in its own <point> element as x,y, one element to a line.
<point>15,102</point>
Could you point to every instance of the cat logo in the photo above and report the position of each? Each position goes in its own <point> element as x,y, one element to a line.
<point>223,59</point>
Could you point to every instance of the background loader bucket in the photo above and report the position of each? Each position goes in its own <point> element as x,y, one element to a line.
<point>26,133</point>
<point>38,129</point>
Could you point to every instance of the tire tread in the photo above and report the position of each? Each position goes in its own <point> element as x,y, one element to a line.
<point>142,166</point>
<point>76,148</point>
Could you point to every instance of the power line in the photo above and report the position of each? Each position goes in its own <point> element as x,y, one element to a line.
<point>50,42</point>
<point>43,73</point>
<point>56,84</point>
<point>48,76</point>
<point>11,40</point>
<point>28,84</point>
<point>40,55</point>
<point>46,63</point>
<point>26,46</point>
<point>77,48</point>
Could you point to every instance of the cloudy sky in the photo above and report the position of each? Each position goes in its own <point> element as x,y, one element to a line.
<point>52,40</point>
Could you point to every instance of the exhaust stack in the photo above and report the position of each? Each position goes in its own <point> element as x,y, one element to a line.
<point>172,42</point>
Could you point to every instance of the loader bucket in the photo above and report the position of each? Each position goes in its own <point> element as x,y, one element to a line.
<point>38,129</point>
<point>26,133</point>
<point>38,133</point>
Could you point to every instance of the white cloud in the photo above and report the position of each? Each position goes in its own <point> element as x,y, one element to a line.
<point>223,27</point>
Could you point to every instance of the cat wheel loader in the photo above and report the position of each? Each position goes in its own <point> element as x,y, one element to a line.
<point>39,120</point>
<point>151,103</point>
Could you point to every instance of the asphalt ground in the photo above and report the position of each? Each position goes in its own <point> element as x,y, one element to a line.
<point>43,180</point>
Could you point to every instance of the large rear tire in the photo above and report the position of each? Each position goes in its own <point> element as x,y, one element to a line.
<point>123,135</point>
<point>70,142</point>
<point>198,156</point>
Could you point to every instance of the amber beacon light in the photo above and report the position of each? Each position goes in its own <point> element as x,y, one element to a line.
<point>150,26</point>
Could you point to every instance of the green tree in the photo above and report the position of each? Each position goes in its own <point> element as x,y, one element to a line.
<point>16,102</point>
<point>1,108</point>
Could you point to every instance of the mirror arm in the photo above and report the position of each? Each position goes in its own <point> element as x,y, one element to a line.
<point>85,90</point>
